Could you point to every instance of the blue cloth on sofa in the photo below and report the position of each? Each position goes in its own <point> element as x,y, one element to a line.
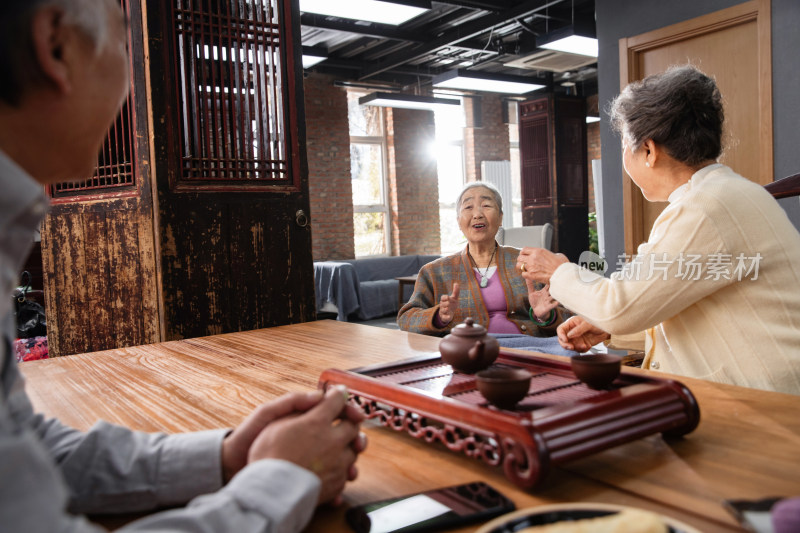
<point>337,282</point>
<point>535,344</point>
<point>366,286</point>
<point>377,286</point>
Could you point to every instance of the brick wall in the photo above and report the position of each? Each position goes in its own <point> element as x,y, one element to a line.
<point>329,182</point>
<point>413,184</point>
<point>411,169</point>
<point>486,135</point>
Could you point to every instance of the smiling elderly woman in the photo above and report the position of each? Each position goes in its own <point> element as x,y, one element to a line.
<point>715,286</point>
<point>480,281</point>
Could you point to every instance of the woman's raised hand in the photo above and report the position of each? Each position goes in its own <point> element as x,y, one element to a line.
<point>541,301</point>
<point>448,305</point>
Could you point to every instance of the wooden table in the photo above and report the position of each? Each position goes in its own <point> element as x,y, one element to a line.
<point>746,445</point>
<point>402,282</point>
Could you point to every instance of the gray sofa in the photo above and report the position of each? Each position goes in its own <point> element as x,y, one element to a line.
<point>363,288</point>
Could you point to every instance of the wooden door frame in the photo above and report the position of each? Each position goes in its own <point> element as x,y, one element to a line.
<point>630,49</point>
<point>150,167</point>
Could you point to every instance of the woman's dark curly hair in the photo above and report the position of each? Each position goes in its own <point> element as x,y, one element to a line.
<point>679,109</point>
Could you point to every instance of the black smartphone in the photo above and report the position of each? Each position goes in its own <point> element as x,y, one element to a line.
<point>433,510</point>
<point>753,515</point>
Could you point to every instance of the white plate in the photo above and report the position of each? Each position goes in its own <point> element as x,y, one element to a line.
<point>550,514</point>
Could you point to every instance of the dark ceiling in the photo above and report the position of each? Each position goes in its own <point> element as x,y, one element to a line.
<point>477,35</point>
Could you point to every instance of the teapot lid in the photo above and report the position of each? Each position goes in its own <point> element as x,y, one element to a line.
<point>469,329</point>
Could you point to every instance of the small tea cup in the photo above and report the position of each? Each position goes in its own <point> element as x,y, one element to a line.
<point>503,387</point>
<point>596,370</point>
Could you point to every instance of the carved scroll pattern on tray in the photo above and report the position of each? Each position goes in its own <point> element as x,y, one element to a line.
<point>519,463</point>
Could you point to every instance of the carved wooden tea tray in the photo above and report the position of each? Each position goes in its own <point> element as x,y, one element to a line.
<point>561,419</point>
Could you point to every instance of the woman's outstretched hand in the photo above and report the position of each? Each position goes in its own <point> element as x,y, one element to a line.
<point>538,264</point>
<point>448,305</point>
<point>579,335</point>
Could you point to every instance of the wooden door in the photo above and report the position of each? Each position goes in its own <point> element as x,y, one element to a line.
<point>733,46</point>
<point>554,170</point>
<point>536,154</point>
<point>98,249</point>
<point>229,157</point>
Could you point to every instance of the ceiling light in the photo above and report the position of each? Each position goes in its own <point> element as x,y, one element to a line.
<point>571,39</point>
<point>491,83</point>
<point>589,120</point>
<point>406,101</point>
<point>311,60</point>
<point>313,55</point>
<point>383,11</point>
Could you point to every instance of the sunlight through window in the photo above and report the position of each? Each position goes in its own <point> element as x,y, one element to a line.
<point>449,151</point>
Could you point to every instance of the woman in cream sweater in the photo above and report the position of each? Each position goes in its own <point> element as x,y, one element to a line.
<point>716,288</point>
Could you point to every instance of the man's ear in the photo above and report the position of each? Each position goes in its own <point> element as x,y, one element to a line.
<point>49,37</point>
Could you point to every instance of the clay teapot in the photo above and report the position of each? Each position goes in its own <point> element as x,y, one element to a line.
<point>468,348</point>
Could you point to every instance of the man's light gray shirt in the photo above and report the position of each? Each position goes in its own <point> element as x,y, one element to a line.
<point>50,472</point>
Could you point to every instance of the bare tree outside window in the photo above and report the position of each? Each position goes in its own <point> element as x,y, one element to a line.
<point>368,173</point>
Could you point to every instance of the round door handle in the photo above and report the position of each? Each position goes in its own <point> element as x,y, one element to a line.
<point>301,218</point>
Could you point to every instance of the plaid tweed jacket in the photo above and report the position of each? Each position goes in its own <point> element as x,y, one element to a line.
<point>436,280</point>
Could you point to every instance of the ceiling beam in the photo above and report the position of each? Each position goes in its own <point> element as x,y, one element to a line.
<point>352,64</point>
<point>403,80</point>
<point>459,33</point>
<point>487,5</point>
<point>383,31</point>
<point>361,47</point>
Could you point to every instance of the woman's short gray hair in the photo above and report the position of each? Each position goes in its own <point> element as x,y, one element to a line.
<point>679,109</point>
<point>471,185</point>
<point>17,58</point>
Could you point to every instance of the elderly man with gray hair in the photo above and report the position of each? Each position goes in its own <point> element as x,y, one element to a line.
<point>65,76</point>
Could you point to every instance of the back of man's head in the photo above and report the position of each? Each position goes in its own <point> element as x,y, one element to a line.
<point>17,56</point>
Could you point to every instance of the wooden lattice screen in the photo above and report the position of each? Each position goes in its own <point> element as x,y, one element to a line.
<point>535,161</point>
<point>116,165</point>
<point>229,72</point>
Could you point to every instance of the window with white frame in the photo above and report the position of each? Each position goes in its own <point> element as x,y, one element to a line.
<point>368,173</point>
<point>449,153</point>
<point>516,169</point>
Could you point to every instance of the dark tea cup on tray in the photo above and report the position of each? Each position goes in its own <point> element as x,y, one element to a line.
<point>596,370</point>
<point>503,387</point>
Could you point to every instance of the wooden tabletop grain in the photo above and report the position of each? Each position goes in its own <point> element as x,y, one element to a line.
<point>746,446</point>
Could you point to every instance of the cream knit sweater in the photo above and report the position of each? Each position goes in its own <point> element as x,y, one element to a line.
<point>716,287</point>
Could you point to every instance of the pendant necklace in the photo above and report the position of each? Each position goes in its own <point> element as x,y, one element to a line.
<point>484,279</point>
